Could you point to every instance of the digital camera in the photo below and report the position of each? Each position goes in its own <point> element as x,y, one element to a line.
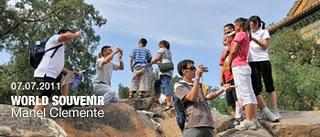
<point>205,69</point>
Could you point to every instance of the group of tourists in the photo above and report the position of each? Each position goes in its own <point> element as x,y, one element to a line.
<point>244,63</point>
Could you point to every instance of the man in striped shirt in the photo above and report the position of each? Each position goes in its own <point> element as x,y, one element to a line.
<point>140,56</point>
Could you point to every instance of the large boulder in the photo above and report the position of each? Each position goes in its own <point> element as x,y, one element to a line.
<point>141,104</point>
<point>27,127</point>
<point>169,127</point>
<point>261,132</point>
<point>221,121</point>
<point>120,120</point>
<point>295,124</point>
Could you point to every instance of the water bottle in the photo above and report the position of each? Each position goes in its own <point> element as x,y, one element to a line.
<point>76,83</point>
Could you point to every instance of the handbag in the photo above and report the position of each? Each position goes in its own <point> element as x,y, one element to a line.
<point>166,65</point>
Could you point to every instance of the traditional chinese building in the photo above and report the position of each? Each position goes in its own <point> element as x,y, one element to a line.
<point>303,16</point>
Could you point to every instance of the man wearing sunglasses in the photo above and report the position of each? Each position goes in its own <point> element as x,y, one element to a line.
<point>199,121</point>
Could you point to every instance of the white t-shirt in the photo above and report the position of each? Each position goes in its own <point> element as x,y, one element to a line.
<point>166,55</point>
<point>257,53</point>
<point>104,71</point>
<point>51,67</point>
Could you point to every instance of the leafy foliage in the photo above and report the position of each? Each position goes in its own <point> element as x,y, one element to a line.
<point>30,21</point>
<point>123,91</point>
<point>295,70</point>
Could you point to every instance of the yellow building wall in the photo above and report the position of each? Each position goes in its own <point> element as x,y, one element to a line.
<point>312,31</point>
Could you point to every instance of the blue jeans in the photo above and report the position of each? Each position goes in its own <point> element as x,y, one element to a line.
<point>165,85</point>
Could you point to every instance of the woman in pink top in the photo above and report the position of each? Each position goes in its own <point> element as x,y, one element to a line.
<point>242,74</point>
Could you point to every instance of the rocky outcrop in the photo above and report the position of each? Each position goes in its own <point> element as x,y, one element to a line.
<point>292,124</point>
<point>295,124</point>
<point>147,119</point>
<point>141,104</point>
<point>30,127</point>
<point>169,127</point>
<point>221,121</point>
<point>261,132</point>
<point>120,120</point>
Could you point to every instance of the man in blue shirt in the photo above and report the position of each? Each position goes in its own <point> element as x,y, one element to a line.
<point>140,56</point>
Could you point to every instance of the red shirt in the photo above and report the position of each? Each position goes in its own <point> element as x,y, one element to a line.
<point>227,75</point>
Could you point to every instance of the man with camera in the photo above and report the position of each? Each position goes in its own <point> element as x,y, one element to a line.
<point>104,68</point>
<point>199,121</point>
<point>49,71</point>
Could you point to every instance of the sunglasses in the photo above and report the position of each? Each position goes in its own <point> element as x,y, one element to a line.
<point>193,68</point>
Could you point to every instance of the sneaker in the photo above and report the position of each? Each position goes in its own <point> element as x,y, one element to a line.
<point>256,121</point>
<point>277,113</point>
<point>260,115</point>
<point>246,125</point>
<point>237,121</point>
<point>271,117</point>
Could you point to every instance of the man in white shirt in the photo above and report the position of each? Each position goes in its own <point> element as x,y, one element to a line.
<point>104,68</point>
<point>49,70</point>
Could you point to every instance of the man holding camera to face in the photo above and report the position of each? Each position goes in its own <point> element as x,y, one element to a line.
<point>102,78</point>
<point>199,121</point>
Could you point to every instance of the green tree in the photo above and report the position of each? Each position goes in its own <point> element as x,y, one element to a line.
<point>28,21</point>
<point>123,91</point>
<point>219,103</point>
<point>295,70</point>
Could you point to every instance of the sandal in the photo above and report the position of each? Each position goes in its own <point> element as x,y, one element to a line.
<point>131,94</point>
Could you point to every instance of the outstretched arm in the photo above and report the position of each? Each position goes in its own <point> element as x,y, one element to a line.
<point>157,58</point>
<point>109,57</point>
<point>217,93</point>
<point>68,36</point>
<point>120,66</point>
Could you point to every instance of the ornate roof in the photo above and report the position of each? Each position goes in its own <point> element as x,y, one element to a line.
<point>300,9</point>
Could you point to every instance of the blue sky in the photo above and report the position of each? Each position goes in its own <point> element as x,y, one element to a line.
<point>193,28</point>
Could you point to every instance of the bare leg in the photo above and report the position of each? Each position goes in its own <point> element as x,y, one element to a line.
<point>250,111</point>
<point>237,110</point>
<point>273,98</point>
<point>65,90</point>
<point>233,113</point>
<point>261,102</point>
<point>131,94</point>
<point>169,100</point>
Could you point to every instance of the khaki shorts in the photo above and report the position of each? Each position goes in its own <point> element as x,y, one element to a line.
<point>141,81</point>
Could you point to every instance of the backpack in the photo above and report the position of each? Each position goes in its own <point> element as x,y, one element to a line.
<point>179,106</point>
<point>37,52</point>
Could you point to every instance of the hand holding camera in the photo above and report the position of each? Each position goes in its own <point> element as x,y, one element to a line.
<point>200,70</point>
<point>205,69</point>
<point>119,52</point>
